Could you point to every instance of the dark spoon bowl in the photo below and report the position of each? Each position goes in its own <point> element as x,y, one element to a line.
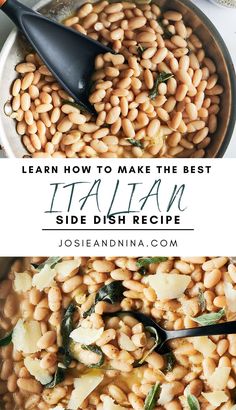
<point>16,48</point>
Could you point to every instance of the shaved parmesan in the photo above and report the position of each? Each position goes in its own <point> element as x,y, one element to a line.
<point>216,398</point>
<point>204,345</point>
<point>86,336</point>
<point>230,294</point>
<point>22,282</point>
<point>169,285</point>
<point>109,404</point>
<point>167,393</point>
<point>58,407</point>
<point>33,366</point>
<point>44,278</point>
<point>83,387</point>
<point>219,378</point>
<point>64,268</point>
<point>26,335</point>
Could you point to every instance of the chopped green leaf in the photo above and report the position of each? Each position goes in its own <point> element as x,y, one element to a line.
<point>154,332</point>
<point>160,78</point>
<point>152,397</point>
<point>144,262</point>
<point>166,32</point>
<point>58,377</point>
<point>140,50</point>
<point>51,262</point>
<point>6,340</point>
<point>193,402</point>
<point>112,293</point>
<point>209,318</point>
<point>170,361</point>
<point>135,143</point>
<point>98,351</point>
<point>201,300</point>
<point>66,329</point>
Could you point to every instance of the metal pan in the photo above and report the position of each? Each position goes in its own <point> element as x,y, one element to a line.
<point>16,47</point>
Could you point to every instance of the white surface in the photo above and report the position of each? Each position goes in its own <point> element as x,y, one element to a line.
<point>223,18</point>
<point>21,226</point>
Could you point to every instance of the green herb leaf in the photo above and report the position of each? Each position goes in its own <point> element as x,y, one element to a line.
<point>135,143</point>
<point>201,300</point>
<point>98,351</point>
<point>193,402</point>
<point>112,293</point>
<point>140,50</point>
<point>170,361</point>
<point>166,32</point>
<point>153,331</point>
<point>152,397</point>
<point>209,318</point>
<point>58,377</point>
<point>74,104</point>
<point>50,261</point>
<point>160,78</point>
<point>6,340</point>
<point>144,262</point>
<point>66,329</point>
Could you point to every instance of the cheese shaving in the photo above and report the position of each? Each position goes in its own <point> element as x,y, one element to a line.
<point>216,398</point>
<point>169,285</point>
<point>33,366</point>
<point>83,387</point>
<point>44,278</point>
<point>22,282</point>
<point>26,335</point>
<point>86,336</point>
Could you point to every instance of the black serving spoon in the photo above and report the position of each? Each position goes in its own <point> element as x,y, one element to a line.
<point>165,336</point>
<point>68,54</point>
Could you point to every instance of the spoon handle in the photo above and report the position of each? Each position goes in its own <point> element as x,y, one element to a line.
<point>210,330</point>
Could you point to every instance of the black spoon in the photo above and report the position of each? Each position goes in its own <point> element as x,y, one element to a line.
<point>167,335</point>
<point>68,54</point>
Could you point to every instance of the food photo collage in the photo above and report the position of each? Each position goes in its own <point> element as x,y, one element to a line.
<point>119,82</point>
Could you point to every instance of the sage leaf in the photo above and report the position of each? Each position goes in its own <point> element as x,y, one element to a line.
<point>135,143</point>
<point>166,32</point>
<point>160,78</point>
<point>140,50</point>
<point>98,351</point>
<point>112,293</point>
<point>58,377</point>
<point>170,361</point>
<point>193,402</point>
<point>6,340</point>
<point>152,397</point>
<point>51,262</point>
<point>201,300</point>
<point>66,329</point>
<point>209,318</point>
<point>144,262</point>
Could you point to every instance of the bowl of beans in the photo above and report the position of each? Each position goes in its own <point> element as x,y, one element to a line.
<point>168,90</point>
<point>63,344</point>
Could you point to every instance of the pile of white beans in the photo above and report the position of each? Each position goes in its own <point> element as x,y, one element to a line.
<point>192,370</point>
<point>178,120</point>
